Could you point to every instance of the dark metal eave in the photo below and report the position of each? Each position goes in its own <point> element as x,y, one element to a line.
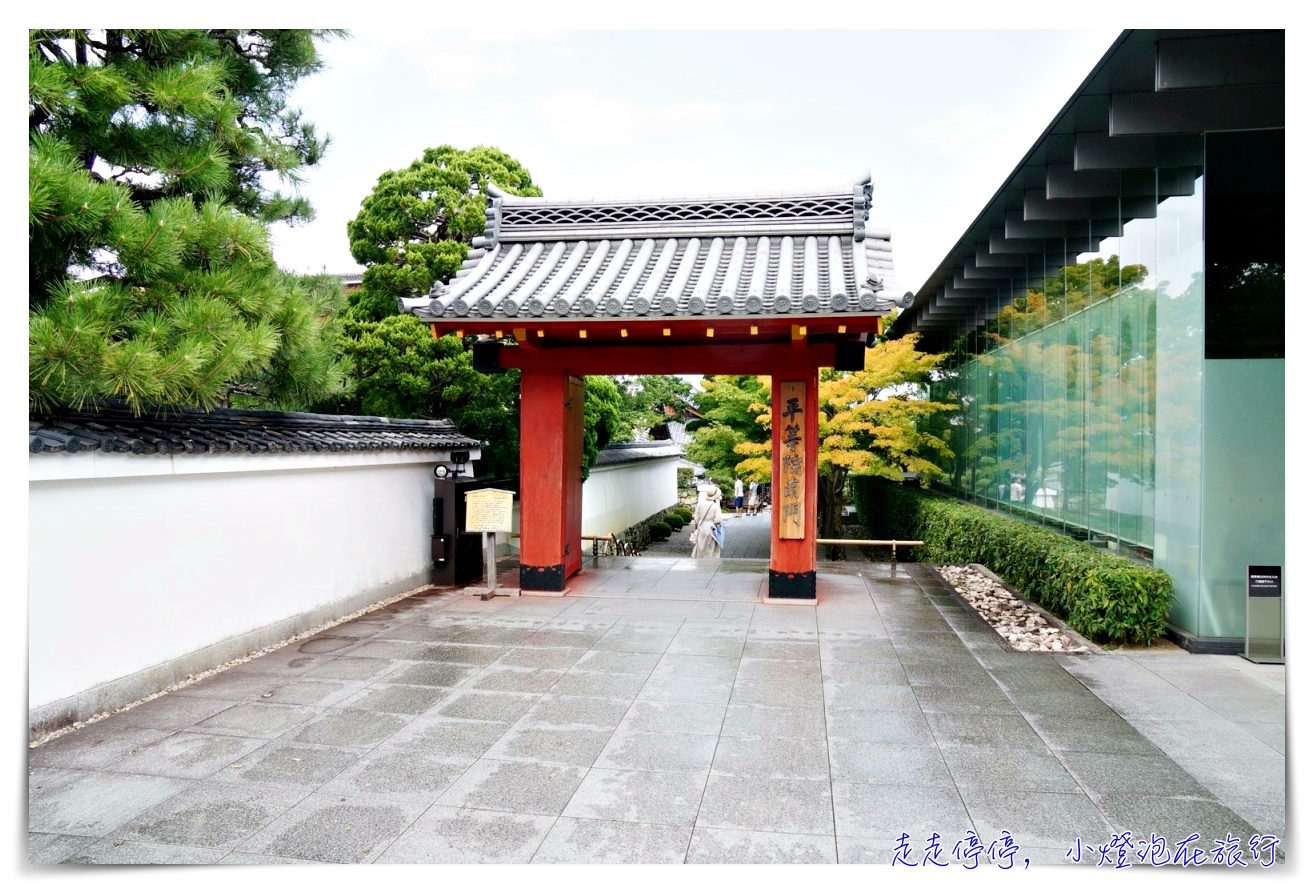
<point>1127,137</point>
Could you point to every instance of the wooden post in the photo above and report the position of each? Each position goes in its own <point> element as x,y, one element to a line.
<point>793,572</point>
<point>551,446</point>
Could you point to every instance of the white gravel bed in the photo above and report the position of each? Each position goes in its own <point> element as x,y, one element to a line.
<point>1020,625</point>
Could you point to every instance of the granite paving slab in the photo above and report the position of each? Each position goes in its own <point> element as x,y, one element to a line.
<point>262,720</point>
<point>107,745</point>
<point>136,852</point>
<point>567,745</point>
<point>570,710</point>
<point>771,758</point>
<point>521,787</point>
<point>488,705</point>
<point>630,726</point>
<point>786,805</point>
<point>189,755</point>
<point>658,751</point>
<point>440,675</point>
<point>51,849</point>
<point>349,728</point>
<point>573,841</point>
<point>399,773</point>
<point>305,767</point>
<point>333,828</point>
<point>91,803</point>
<point>211,814</point>
<point>696,718</point>
<point>722,847</point>
<point>631,795</point>
<point>448,737</point>
<point>880,813</point>
<point>386,697</point>
<point>351,668</point>
<point>449,835</point>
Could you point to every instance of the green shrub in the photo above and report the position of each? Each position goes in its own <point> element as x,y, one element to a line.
<point>659,531</point>
<point>674,521</point>
<point>1105,597</point>
<point>683,512</point>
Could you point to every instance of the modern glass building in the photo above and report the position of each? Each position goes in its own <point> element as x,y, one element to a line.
<point>1115,321</point>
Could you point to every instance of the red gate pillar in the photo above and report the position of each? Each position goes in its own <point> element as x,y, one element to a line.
<point>551,451</point>
<point>793,572</point>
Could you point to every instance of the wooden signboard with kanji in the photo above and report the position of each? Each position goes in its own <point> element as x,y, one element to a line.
<point>791,477</point>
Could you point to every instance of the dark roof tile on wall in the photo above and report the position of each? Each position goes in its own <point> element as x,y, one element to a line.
<point>637,451</point>
<point>114,429</point>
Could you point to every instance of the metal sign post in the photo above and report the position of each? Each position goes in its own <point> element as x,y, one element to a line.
<point>489,511</point>
<point>1265,634</point>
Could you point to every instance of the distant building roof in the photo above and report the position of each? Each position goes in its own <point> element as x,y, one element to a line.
<point>730,256</point>
<point>637,451</point>
<point>114,429</point>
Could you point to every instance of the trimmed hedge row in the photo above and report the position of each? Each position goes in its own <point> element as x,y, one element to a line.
<point>1105,597</point>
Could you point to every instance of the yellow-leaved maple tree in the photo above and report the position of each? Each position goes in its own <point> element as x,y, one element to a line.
<point>874,422</point>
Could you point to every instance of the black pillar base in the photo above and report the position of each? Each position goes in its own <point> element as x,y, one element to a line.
<point>798,585</point>
<point>543,579</point>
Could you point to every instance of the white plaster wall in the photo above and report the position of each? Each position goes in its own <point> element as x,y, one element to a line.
<point>137,560</point>
<point>617,496</point>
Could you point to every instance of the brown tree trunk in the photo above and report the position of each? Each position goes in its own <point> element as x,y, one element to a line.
<point>830,507</point>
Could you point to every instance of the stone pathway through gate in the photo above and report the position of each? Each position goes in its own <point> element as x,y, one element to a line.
<point>748,536</point>
<point>662,713</point>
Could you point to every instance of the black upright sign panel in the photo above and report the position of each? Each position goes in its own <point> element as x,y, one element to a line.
<point>1263,581</point>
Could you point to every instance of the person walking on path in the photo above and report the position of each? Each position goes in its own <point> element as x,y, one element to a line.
<point>752,497</point>
<point>739,497</point>
<point>707,516</point>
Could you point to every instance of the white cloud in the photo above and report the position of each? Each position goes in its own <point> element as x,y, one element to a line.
<point>688,111</point>
<point>952,131</point>
<point>580,120</point>
<point>583,120</point>
<point>462,71</point>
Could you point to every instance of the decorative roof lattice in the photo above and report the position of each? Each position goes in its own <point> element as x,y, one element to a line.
<point>728,256</point>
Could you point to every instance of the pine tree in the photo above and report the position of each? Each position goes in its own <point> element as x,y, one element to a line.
<point>151,279</point>
<point>415,226</point>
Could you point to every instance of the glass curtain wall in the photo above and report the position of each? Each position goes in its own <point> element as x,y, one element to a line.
<point>1077,383</point>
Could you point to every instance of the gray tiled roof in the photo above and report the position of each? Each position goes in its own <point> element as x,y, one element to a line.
<point>637,451</point>
<point>114,429</point>
<point>751,255</point>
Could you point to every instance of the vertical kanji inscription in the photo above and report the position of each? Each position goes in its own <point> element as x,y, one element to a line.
<point>791,481</point>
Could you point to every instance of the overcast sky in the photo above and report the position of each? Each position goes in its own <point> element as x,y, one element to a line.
<point>939,118</point>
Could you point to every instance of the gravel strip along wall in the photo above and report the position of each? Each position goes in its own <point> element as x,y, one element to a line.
<point>1022,625</point>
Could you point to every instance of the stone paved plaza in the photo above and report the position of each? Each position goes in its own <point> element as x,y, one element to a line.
<point>660,713</point>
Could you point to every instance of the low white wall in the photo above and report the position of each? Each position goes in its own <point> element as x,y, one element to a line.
<point>142,569</point>
<point>618,496</point>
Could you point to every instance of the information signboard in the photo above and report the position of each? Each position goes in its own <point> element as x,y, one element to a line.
<point>488,510</point>
<point>1265,631</point>
<point>1263,581</point>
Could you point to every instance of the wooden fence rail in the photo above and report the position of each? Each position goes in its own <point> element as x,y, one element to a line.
<point>893,544</point>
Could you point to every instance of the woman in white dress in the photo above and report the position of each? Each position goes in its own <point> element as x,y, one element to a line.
<point>707,514</point>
